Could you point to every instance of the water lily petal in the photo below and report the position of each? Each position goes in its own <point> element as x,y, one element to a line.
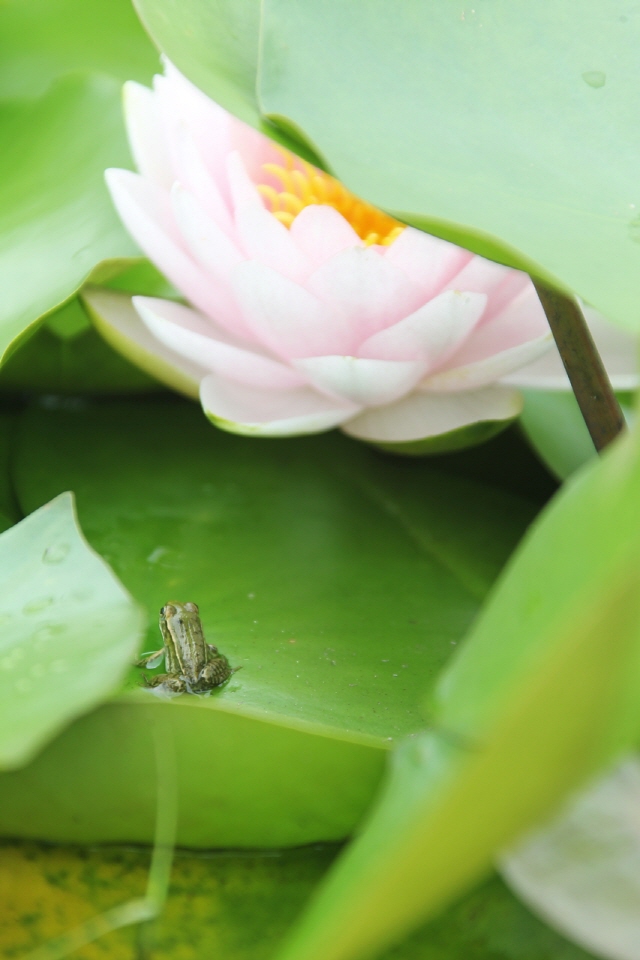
<point>270,413</point>
<point>183,105</point>
<point>521,320</point>
<point>208,242</point>
<point>428,261</point>
<point>146,212</point>
<point>194,337</point>
<point>115,317</point>
<point>283,315</point>
<point>422,415</point>
<point>500,283</point>
<point>492,368</point>
<point>144,131</point>
<point>320,232</point>
<point>618,349</point>
<point>370,291</point>
<point>365,382</point>
<point>266,239</point>
<point>433,333</point>
<point>242,189</point>
<point>192,172</point>
<point>581,871</point>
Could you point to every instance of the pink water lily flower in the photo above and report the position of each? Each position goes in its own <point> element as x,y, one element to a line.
<point>308,308</point>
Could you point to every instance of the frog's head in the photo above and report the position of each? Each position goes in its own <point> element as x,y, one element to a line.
<point>173,609</point>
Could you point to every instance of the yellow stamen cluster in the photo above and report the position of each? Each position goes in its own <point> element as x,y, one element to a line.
<point>306,186</point>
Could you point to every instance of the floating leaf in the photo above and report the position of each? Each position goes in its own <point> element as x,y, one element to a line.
<point>69,630</point>
<point>339,579</point>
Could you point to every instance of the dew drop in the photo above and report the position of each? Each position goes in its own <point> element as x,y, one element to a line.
<point>48,631</point>
<point>35,606</point>
<point>23,685</point>
<point>634,229</point>
<point>59,666</point>
<point>595,78</point>
<point>166,557</point>
<point>37,670</point>
<point>56,553</point>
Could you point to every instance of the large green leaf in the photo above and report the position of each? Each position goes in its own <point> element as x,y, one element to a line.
<point>339,579</point>
<point>544,690</point>
<point>509,128</point>
<point>69,630</point>
<point>60,129</point>
<point>56,218</point>
<point>42,39</point>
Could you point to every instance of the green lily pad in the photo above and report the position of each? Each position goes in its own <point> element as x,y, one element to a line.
<point>339,579</point>
<point>9,511</point>
<point>42,39</point>
<point>69,630</point>
<point>545,689</point>
<point>56,218</point>
<point>450,117</point>
<point>555,428</point>
<point>67,356</point>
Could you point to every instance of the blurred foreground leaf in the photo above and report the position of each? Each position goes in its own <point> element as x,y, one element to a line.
<point>69,630</point>
<point>545,689</point>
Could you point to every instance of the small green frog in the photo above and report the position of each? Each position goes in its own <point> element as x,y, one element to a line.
<point>193,665</point>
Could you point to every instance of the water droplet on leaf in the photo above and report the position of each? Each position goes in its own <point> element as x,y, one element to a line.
<point>35,606</point>
<point>56,553</point>
<point>595,78</point>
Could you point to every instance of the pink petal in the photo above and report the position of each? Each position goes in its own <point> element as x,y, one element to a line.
<point>320,232</point>
<point>489,370</point>
<point>522,320</point>
<point>193,174</point>
<point>500,283</point>
<point>117,321</point>
<point>145,210</point>
<point>183,105</point>
<point>284,316</point>
<point>194,337</point>
<point>365,382</point>
<point>254,148</point>
<point>430,334</point>
<point>270,413</point>
<point>208,243</point>
<point>266,239</point>
<point>422,415</point>
<point>428,261</point>
<point>243,190</point>
<point>145,135</point>
<point>618,349</point>
<point>369,291</point>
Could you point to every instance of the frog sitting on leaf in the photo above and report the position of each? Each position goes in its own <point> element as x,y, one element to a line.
<point>193,665</point>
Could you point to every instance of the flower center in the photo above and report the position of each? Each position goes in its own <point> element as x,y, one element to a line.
<point>302,185</point>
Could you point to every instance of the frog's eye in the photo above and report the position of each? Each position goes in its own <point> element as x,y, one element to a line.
<point>191,607</point>
<point>168,610</point>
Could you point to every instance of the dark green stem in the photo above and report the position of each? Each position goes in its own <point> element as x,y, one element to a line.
<point>591,385</point>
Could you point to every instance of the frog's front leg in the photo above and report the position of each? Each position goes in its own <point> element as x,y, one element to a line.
<point>151,660</point>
